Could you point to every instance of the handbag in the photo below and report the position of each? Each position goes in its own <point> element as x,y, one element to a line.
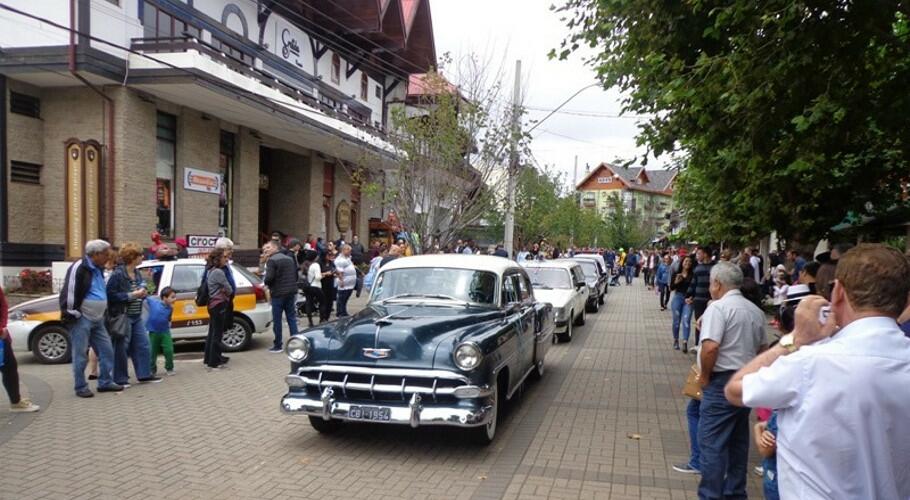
<point>692,389</point>
<point>118,325</point>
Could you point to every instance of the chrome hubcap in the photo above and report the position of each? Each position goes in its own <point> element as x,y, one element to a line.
<point>53,345</point>
<point>234,336</point>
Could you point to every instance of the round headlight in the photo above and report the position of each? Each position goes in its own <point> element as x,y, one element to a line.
<point>17,315</point>
<point>297,349</point>
<point>467,356</point>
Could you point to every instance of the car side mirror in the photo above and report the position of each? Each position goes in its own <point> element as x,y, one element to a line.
<point>580,284</point>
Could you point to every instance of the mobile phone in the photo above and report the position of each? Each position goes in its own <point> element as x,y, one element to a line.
<point>823,314</point>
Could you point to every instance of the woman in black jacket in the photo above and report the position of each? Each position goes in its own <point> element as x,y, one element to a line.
<point>220,293</point>
<point>328,285</point>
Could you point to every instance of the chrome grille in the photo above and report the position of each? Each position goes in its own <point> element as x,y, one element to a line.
<point>382,384</point>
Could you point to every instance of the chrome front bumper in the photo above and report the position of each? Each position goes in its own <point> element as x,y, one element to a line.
<point>415,413</point>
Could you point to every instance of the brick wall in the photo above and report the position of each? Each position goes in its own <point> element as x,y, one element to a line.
<point>246,191</point>
<point>25,140</point>
<point>67,113</point>
<point>135,122</point>
<point>314,211</point>
<point>198,146</point>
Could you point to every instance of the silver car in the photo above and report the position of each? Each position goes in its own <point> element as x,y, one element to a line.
<point>561,283</point>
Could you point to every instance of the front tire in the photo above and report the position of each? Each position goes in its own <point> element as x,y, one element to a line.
<point>323,426</point>
<point>566,336</point>
<point>581,318</point>
<point>484,435</point>
<point>51,345</point>
<point>593,306</point>
<point>238,337</point>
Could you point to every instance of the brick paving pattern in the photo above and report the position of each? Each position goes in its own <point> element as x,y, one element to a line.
<point>607,421</point>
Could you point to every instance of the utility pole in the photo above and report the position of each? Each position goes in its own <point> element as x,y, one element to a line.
<point>577,202</point>
<point>508,242</point>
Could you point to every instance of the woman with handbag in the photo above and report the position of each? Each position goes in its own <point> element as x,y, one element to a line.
<point>220,292</point>
<point>125,295</point>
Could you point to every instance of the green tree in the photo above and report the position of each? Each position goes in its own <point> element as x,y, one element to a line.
<point>788,114</point>
<point>626,229</point>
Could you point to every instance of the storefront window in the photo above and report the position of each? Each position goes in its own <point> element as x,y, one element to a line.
<point>225,199</point>
<point>165,173</point>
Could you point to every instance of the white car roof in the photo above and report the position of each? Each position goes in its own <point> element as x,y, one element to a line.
<point>561,264</point>
<point>498,265</point>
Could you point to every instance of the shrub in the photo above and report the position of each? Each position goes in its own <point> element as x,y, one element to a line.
<point>32,281</point>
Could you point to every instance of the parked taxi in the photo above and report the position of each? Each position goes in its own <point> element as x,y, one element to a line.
<point>36,323</point>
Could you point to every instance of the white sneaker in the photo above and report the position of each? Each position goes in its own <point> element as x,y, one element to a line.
<point>24,405</point>
<point>171,372</point>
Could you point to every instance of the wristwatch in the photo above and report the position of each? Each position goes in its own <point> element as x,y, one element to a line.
<point>788,343</point>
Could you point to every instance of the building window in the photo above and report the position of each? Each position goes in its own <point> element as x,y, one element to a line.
<point>336,68</point>
<point>364,86</point>
<point>166,172</point>
<point>226,198</point>
<point>378,92</point>
<point>24,104</point>
<point>160,24</point>
<point>25,173</point>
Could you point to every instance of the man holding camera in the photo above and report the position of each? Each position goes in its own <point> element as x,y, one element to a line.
<point>839,384</point>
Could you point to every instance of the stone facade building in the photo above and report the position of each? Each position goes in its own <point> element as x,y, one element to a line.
<point>196,117</point>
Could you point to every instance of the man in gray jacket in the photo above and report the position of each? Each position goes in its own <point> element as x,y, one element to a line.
<point>281,278</point>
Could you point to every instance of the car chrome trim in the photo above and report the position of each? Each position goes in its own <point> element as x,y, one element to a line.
<point>403,413</point>
<point>298,381</point>
<point>385,372</point>
<point>328,401</point>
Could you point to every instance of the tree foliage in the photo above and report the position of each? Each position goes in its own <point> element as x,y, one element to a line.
<point>788,113</point>
<point>452,147</point>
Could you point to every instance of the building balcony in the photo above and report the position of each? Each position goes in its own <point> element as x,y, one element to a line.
<point>247,90</point>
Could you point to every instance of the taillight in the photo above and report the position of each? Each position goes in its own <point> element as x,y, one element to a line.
<point>259,290</point>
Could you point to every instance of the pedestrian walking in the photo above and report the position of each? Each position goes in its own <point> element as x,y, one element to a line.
<point>312,288</point>
<point>357,251</point>
<point>158,324</point>
<point>281,278</point>
<point>83,303</point>
<point>837,382</point>
<point>682,310</point>
<point>327,283</point>
<point>346,280</point>
<point>631,265</point>
<point>126,293</point>
<point>220,292</point>
<point>699,292</point>
<point>9,367</point>
<point>732,334</point>
<point>662,278</point>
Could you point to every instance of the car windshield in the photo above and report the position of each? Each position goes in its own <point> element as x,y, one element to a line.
<point>548,277</point>
<point>589,268</point>
<point>464,285</point>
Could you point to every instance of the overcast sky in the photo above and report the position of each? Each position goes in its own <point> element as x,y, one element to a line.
<point>527,30</point>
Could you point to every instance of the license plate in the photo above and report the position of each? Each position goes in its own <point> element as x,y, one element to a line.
<point>375,413</point>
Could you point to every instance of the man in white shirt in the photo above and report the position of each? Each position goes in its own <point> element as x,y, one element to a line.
<point>755,262</point>
<point>732,333</point>
<point>345,281</point>
<point>841,389</point>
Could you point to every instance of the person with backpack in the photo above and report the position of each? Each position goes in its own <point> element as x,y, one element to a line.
<point>217,294</point>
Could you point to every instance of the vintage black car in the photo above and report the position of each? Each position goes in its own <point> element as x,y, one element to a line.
<point>444,340</point>
<point>596,279</point>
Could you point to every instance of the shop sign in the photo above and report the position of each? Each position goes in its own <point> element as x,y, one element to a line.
<point>202,181</point>
<point>199,245</point>
<point>343,216</point>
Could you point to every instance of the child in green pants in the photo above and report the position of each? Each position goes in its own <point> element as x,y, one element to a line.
<point>158,325</point>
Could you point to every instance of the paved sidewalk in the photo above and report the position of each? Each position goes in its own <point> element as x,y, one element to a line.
<point>607,421</point>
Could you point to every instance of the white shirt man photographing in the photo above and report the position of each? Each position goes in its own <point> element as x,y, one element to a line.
<point>841,393</point>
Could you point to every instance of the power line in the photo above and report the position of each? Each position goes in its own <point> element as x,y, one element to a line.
<point>591,114</point>
<point>545,131</point>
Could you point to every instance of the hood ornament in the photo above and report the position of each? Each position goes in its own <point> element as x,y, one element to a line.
<point>374,353</point>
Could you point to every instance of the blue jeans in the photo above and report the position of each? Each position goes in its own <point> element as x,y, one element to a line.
<point>682,314</point>
<point>342,306</point>
<point>136,348</point>
<point>630,273</point>
<point>693,410</point>
<point>723,440</point>
<point>85,333</point>
<point>288,306</point>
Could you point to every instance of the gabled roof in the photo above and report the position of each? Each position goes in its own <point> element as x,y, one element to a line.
<point>655,180</point>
